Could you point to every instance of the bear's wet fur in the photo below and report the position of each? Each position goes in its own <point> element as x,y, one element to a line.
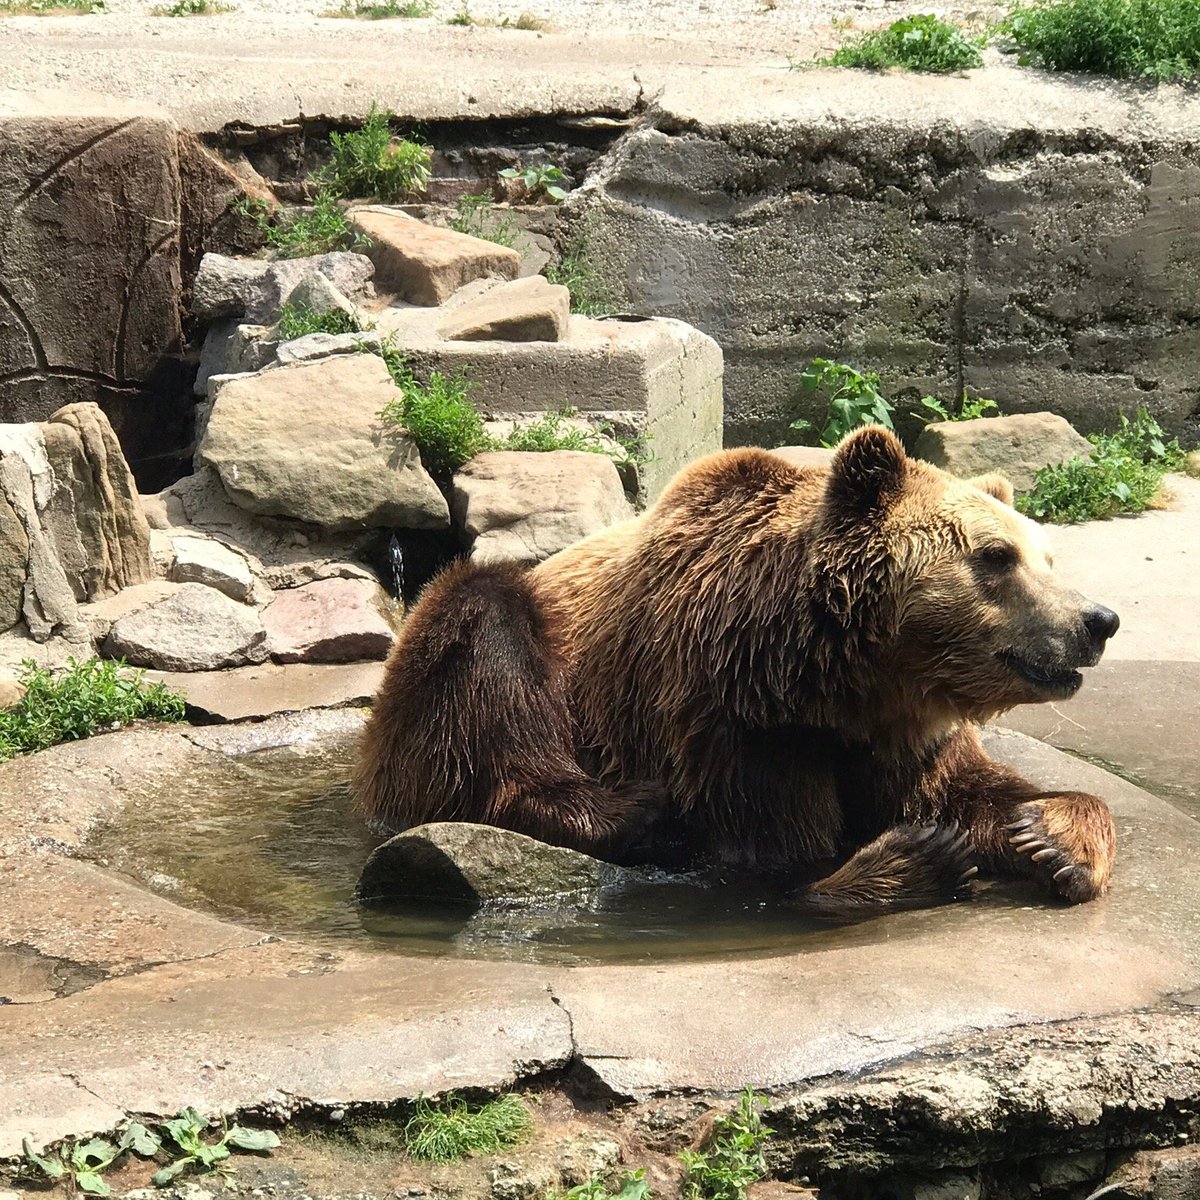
<point>776,669</point>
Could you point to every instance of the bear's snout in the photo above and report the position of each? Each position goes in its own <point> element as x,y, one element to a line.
<point>1101,623</point>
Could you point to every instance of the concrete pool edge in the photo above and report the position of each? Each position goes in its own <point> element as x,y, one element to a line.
<point>198,1011</point>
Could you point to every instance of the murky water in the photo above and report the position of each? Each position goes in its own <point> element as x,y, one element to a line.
<point>271,840</point>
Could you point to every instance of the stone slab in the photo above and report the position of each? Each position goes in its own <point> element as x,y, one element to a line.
<point>426,264</point>
<point>525,310</point>
<point>664,373</point>
<point>330,620</point>
<point>253,693</point>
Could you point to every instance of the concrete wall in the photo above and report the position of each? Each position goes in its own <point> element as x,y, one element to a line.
<point>1031,239</point>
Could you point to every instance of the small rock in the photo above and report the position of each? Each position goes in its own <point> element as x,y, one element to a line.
<point>322,345</point>
<point>519,1181</point>
<point>155,508</point>
<point>195,629</point>
<point>426,264</point>
<point>331,621</point>
<point>584,1156</point>
<point>232,287</point>
<point>526,310</point>
<point>214,356</point>
<point>1016,447</point>
<point>202,560</point>
<point>1191,464</point>
<point>251,348</point>
<point>11,691</point>
<point>459,861</point>
<point>221,285</point>
<point>317,295</point>
<point>523,506</point>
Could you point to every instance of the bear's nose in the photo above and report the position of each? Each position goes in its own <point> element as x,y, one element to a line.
<point>1101,623</point>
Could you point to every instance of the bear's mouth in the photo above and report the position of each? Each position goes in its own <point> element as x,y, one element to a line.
<point>1058,681</point>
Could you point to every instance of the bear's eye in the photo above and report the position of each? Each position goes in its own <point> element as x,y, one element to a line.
<point>997,557</point>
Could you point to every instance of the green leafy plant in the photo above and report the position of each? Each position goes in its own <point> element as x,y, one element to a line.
<point>298,320</point>
<point>297,234</point>
<point>449,1130</point>
<point>87,698</point>
<point>854,399</point>
<point>633,1186</point>
<point>1156,39</point>
<point>922,42</point>
<point>437,414</point>
<point>525,20</point>
<point>83,1163</point>
<point>476,214</point>
<point>732,1159</point>
<point>187,1132</point>
<point>192,8</point>
<point>553,432</point>
<point>576,271</point>
<point>49,8</point>
<point>543,180</point>
<point>462,17</point>
<point>970,408</point>
<point>1123,474</point>
<point>372,162</point>
<point>365,10</point>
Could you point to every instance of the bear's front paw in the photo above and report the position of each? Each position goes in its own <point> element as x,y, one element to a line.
<point>1068,842</point>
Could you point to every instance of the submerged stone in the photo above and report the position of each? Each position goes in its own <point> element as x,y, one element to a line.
<point>455,860</point>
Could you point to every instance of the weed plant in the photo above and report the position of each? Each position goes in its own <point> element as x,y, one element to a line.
<point>371,162</point>
<point>590,296</point>
<point>1155,39</point>
<point>87,698</point>
<point>453,1129</point>
<point>382,10</point>
<point>545,180</point>
<point>319,229</point>
<point>853,396</point>
<point>476,215</point>
<point>633,1186</point>
<point>49,8</point>
<point>193,8</point>
<point>970,408</point>
<point>922,42</point>
<point>733,1158</point>
<point>298,320</point>
<point>1123,474</point>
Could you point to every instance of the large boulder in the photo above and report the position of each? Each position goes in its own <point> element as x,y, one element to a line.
<point>426,264</point>
<point>306,442</point>
<point>1017,446</point>
<point>72,528</point>
<point>257,289</point>
<point>331,621</point>
<point>523,506</point>
<point>196,628</point>
<point>473,864</point>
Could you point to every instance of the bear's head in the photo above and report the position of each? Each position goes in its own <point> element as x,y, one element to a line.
<point>948,586</point>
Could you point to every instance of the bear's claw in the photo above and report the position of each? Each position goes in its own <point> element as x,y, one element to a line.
<point>1068,843</point>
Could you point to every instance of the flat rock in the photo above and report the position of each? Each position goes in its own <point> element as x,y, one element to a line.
<point>203,560</point>
<point>195,629</point>
<point>101,615</point>
<point>1017,446</point>
<point>523,506</point>
<point>322,345</point>
<point>283,448</point>
<point>329,620</point>
<point>455,860</point>
<point>254,693</point>
<point>426,264</point>
<point>525,310</point>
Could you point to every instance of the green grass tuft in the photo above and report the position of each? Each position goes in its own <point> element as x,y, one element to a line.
<point>88,698</point>
<point>365,10</point>
<point>371,162</point>
<point>733,1158</point>
<point>298,233</point>
<point>437,414</point>
<point>298,320</point>
<point>49,8</point>
<point>633,1186</point>
<point>476,215</point>
<point>576,272</point>
<point>452,1129</point>
<point>193,8</point>
<point>918,43</point>
<point>1156,39</point>
<point>1124,474</point>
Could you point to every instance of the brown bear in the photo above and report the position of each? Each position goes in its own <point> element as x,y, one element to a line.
<point>775,668</point>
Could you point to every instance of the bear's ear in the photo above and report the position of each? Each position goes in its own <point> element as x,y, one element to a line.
<point>996,486</point>
<point>867,469</point>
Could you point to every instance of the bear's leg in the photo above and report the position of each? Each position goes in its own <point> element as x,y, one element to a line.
<point>472,723</point>
<point>1066,840</point>
<point>907,866</point>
